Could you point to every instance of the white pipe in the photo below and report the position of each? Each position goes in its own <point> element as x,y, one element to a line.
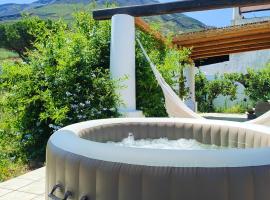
<point>122,62</point>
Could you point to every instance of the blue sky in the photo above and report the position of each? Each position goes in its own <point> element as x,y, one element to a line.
<point>221,17</point>
<point>16,1</point>
<point>216,18</point>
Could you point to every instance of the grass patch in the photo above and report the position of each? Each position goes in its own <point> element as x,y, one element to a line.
<point>237,109</point>
<point>7,55</point>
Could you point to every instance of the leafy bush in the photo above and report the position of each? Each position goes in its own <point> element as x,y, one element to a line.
<point>11,163</point>
<point>17,36</point>
<point>170,62</point>
<point>201,92</point>
<point>65,80</point>
<point>256,83</point>
<point>149,97</point>
<point>207,91</point>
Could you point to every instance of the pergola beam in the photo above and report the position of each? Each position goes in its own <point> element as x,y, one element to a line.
<point>174,7</point>
<point>251,43</point>
<point>221,33</point>
<point>219,42</point>
<point>145,27</point>
<point>230,51</point>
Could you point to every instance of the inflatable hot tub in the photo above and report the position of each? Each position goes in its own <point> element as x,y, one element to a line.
<point>82,166</point>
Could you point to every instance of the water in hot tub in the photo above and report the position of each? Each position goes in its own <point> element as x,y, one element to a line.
<point>164,143</point>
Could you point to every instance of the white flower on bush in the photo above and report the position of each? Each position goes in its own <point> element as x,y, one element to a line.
<point>54,127</point>
<point>68,93</point>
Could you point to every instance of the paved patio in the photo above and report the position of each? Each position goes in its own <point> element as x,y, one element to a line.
<point>30,186</point>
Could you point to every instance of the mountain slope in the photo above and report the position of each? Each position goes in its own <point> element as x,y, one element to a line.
<point>54,9</point>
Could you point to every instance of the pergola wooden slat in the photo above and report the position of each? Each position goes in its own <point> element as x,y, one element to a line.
<point>142,25</point>
<point>224,41</point>
<point>222,53</point>
<point>254,8</point>
<point>231,45</point>
<point>221,33</point>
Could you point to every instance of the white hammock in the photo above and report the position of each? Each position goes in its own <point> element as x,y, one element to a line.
<point>262,120</point>
<point>175,107</point>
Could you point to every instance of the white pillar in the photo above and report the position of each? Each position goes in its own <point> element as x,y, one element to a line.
<point>122,61</point>
<point>189,73</point>
<point>236,16</point>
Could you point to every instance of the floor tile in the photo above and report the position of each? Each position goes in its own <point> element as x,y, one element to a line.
<point>16,195</point>
<point>40,197</point>
<point>34,175</point>
<point>4,191</point>
<point>14,184</point>
<point>37,187</point>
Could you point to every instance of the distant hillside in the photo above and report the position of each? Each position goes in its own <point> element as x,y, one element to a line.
<point>54,9</point>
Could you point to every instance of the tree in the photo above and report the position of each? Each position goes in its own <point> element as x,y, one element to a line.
<point>19,36</point>
<point>173,67</point>
<point>207,91</point>
<point>256,83</point>
<point>65,80</point>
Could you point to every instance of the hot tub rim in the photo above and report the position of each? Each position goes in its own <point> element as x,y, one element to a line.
<point>67,139</point>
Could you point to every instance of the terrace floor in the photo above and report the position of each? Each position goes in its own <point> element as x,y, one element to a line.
<point>30,186</point>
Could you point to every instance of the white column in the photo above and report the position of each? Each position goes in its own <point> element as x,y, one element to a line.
<point>122,61</point>
<point>236,16</point>
<point>189,73</point>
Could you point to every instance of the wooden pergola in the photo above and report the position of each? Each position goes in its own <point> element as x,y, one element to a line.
<point>207,43</point>
<point>220,41</point>
<point>228,40</point>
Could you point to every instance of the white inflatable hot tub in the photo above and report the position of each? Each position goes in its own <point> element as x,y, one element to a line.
<point>81,165</point>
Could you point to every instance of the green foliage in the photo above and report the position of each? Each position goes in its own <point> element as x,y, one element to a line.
<point>6,54</point>
<point>238,108</point>
<point>256,83</point>
<point>172,69</point>
<point>201,92</point>
<point>221,86</point>
<point>11,158</point>
<point>11,163</point>
<point>19,36</point>
<point>170,62</point>
<point>149,95</point>
<point>65,80</point>
<point>207,91</point>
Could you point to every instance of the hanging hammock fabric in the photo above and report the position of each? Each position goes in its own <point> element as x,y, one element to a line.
<point>262,120</point>
<point>175,107</point>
